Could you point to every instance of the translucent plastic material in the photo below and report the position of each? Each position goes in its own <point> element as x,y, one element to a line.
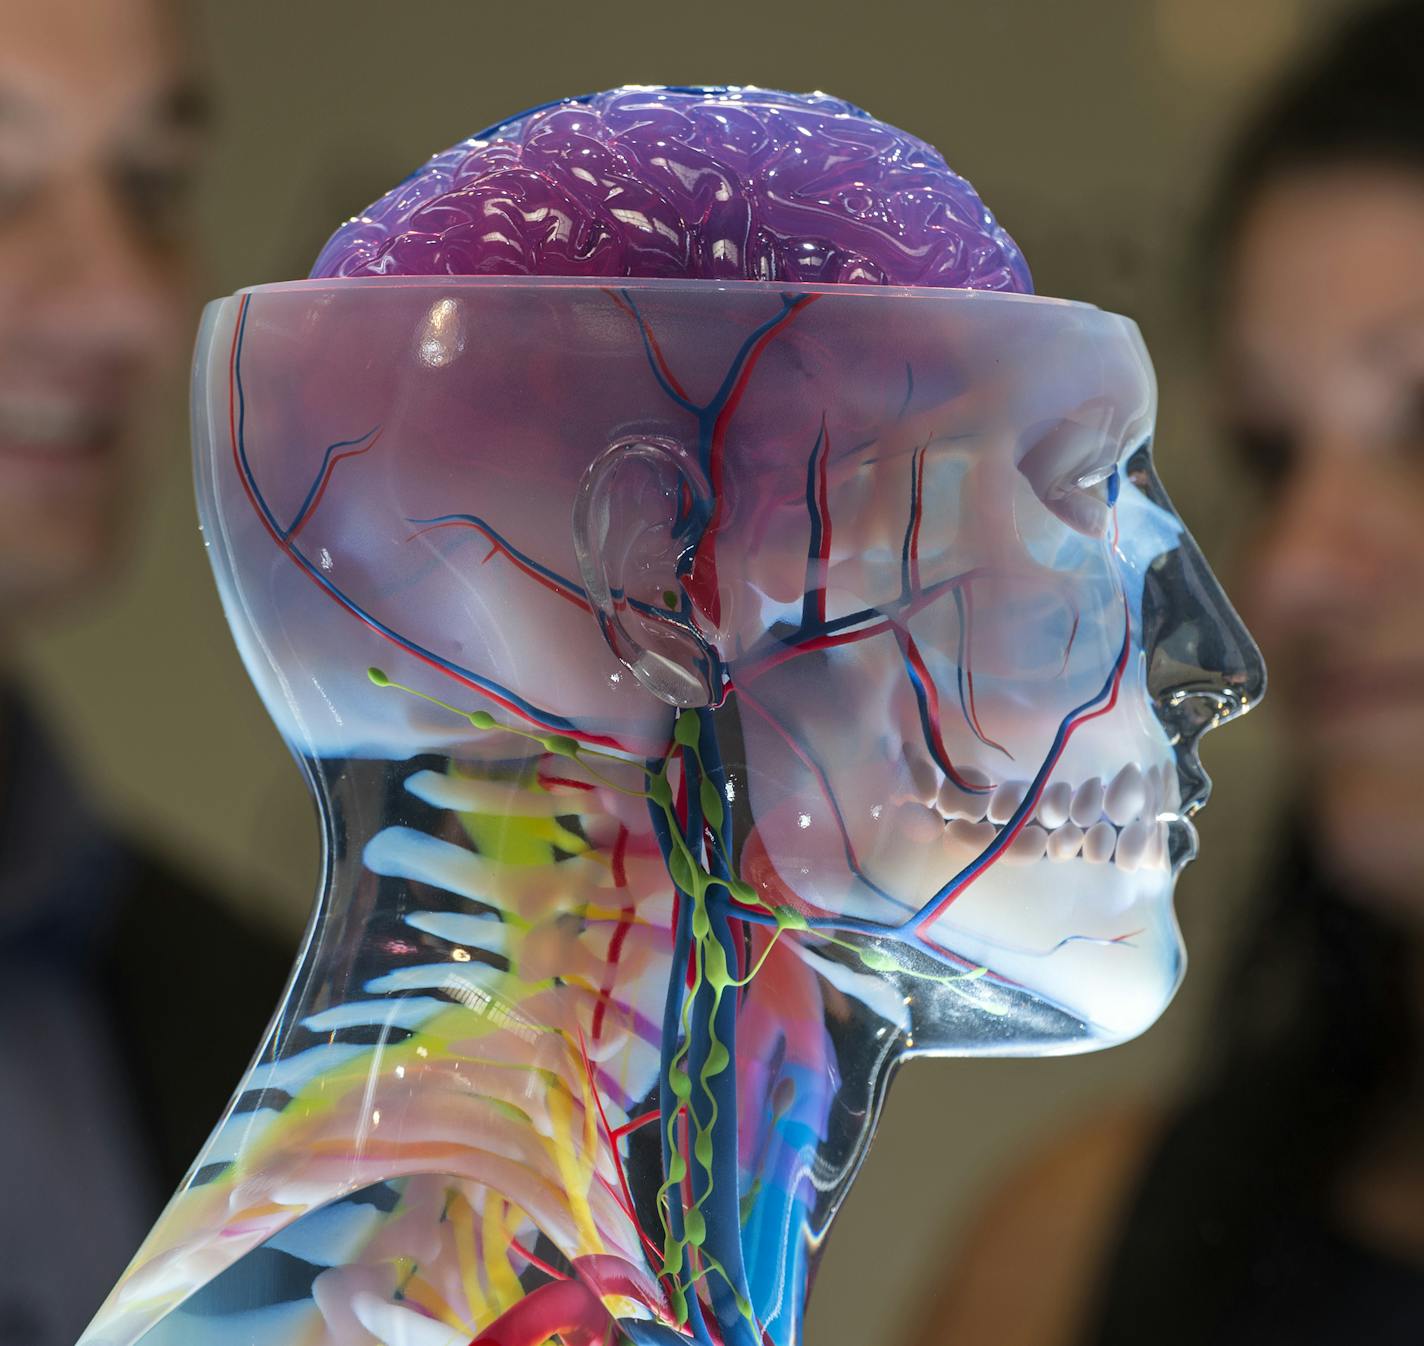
<point>701,183</point>
<point>715,694</point>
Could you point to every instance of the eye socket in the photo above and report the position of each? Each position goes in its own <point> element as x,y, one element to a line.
<point>1072,468</point>
<point>1107,477</point>
<point>1408,428</point>
<point>1266,452</point>
<point>155,195</point>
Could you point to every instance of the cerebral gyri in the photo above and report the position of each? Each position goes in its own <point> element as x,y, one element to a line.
<point>706,184</point>
<point>737,641</point>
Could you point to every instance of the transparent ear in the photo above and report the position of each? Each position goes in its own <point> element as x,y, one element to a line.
<point>633,536</point>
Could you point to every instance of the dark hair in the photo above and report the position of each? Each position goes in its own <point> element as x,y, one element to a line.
<point>1357,97</point>
<point>1315,1028</point>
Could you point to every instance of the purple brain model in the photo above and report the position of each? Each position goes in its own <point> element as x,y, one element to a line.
<point>725,184</point>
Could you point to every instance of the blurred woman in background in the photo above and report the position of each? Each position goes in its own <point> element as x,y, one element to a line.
<point>1284,1201</point>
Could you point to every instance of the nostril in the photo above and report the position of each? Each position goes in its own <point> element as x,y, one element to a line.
<point>1191,711</point>
<point>1203,668</point>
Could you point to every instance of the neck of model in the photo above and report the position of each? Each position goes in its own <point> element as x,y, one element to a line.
<point>563,1087</point>
<point>642,1082</point>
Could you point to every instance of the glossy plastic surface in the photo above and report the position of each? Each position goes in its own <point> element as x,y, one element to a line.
<point>714,183</point>
<point>715,694</point>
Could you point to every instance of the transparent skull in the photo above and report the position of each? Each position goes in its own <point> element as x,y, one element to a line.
<point>715,692</point>
<point>961,647</point>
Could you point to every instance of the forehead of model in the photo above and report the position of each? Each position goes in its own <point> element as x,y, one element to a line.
<point>80,74</point>
<point>1327,272</point>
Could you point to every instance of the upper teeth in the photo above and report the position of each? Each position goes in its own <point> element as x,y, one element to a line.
<point>1053,804</point>
<point>1087,805</point>
<point>1004,802</point>
<point>1126,795</point>
<point>1124,821</point>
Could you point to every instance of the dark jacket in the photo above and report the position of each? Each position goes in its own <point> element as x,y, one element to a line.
<point>131,1000</point>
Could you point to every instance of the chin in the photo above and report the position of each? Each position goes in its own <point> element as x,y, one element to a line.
<point>1385,880</point>
<point>1365,829</point>
<point>1099,943</point>
<point>1126,1000</point>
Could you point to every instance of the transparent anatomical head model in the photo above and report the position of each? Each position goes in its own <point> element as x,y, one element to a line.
<point>716,691</point>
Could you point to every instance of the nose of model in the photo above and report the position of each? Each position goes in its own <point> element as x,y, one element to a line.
<point>1203,668</point>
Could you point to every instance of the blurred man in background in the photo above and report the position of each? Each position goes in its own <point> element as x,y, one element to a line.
<point>129,1002</point>
<point>1283,1200</point>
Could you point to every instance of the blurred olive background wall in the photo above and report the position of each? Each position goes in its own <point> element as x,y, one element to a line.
<point>1092,128</point>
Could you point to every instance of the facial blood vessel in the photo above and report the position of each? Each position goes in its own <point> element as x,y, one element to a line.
<point>737,641</point>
